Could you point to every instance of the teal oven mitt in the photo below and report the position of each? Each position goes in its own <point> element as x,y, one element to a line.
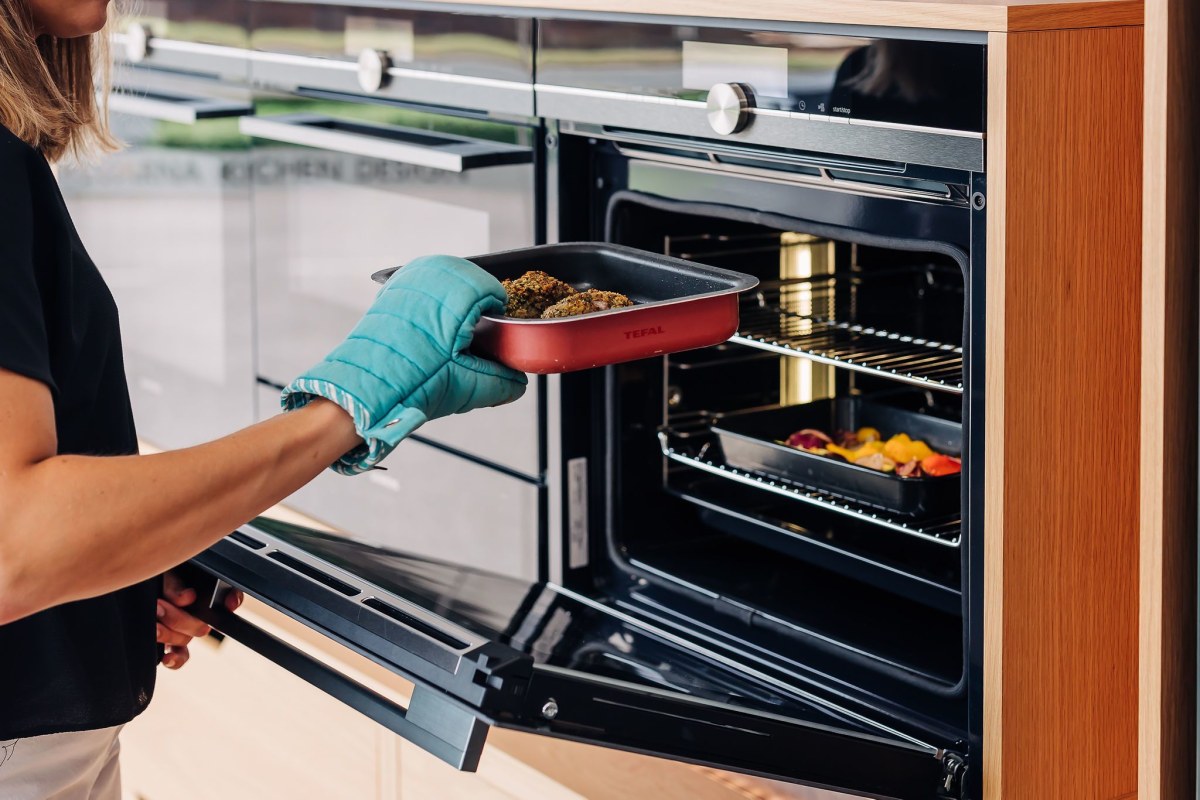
<point>406,362</point>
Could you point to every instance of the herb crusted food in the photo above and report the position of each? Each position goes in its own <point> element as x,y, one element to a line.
<point>586,303</point>
<point>536,295</point>
<point>532,293</point>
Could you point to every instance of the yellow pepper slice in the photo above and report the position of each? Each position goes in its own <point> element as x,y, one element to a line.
<point>901,448</point>
<point>868,435</point>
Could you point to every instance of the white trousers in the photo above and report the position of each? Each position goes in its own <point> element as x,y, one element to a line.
<point>62,766</point>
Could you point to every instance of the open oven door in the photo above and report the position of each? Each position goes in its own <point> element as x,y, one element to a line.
<point>485,650</point>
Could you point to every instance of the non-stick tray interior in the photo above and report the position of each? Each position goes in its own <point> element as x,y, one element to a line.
<point>642,276</point>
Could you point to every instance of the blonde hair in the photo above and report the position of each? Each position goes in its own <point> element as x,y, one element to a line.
<point>48,87</point>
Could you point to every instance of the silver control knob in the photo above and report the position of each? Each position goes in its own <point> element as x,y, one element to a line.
<point>729,107</point>
<point>137,43</point>
<point>373,66</point>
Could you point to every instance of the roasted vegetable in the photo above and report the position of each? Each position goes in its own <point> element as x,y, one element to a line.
<point>907,457</point>
<point>876,461</point>
<point>938,465</point>
<point>857,453</point>
<point>808,439</point>
<point>868,435</point>
<point>901,448</point>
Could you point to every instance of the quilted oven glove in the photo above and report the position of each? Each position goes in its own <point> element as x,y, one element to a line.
<point>406,362</point>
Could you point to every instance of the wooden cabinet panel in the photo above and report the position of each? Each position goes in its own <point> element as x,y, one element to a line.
<point>967,15</point>
<point>1170,287</point>
<point>1061,543</point>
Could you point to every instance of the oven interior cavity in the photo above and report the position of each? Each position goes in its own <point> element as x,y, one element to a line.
<point>808,562</point>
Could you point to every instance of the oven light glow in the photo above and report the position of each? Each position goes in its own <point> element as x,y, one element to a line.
<point>802,255</point>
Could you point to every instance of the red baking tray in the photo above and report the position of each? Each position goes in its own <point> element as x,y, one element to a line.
<point>679,305</point>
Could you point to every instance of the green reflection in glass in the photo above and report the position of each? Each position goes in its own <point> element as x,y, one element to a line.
<point>223,134</point>
<point>210,134</point>
<point>394,115</point>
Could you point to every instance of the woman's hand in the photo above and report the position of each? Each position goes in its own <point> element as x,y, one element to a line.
<point>176,627</point>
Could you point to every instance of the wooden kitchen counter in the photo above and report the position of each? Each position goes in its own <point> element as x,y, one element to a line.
<point>967,15</point>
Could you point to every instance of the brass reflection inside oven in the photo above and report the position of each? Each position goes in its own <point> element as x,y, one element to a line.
<point>804,305</point>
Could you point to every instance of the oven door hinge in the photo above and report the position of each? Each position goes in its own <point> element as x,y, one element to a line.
<point>954,776</point>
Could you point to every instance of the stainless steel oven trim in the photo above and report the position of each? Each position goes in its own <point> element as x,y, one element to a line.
<point>630,97</point>
<point>290,72</point>
<point>183,110</point>
<point>793,130</point>
<point>825,180</point>
<point>300,129</point>
<point>221,61</point>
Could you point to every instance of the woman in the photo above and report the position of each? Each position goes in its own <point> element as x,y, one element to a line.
<point>87,527</point>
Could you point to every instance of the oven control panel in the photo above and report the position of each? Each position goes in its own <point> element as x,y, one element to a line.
<point>740,75</point>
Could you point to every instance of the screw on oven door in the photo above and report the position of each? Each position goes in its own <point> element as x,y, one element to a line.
<point>550,709</point>
<point>978,201</point>
<point>373,66</point>
<point>137,43</point>
<point>551,141</point>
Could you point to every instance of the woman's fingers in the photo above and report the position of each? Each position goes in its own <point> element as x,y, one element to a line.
<point>175,590</point>
<point>178,620</point>
<point>176,656</point>
<point>233,600</point>
<point>167,636</point>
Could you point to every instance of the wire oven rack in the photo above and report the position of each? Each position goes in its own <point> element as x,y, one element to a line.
<point>694,448</point>
<point>797,318</point>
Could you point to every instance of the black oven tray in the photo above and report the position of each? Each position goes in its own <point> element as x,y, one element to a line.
<point>750,442</point>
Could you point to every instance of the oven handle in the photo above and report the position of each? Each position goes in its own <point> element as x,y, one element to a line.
<point>432,722</point>
<point>452,154</point>
<point>183,110</point>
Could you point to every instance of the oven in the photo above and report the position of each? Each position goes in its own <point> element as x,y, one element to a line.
<point>379,136</point>
<point>861,211</point>
<point>179,191</point>
<point>700,596</point>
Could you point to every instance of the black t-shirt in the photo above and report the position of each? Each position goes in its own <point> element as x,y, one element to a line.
<point>88,664</point>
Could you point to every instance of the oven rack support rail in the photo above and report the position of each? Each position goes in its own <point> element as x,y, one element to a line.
<point>940,531</point>
<point>770,322</point>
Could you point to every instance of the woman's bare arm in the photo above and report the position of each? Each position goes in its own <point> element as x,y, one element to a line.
<point>73,527</point>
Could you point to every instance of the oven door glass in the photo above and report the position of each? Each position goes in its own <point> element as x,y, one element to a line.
<point>344,190</point>
<point>487,650</point>
<point>167,221</point>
